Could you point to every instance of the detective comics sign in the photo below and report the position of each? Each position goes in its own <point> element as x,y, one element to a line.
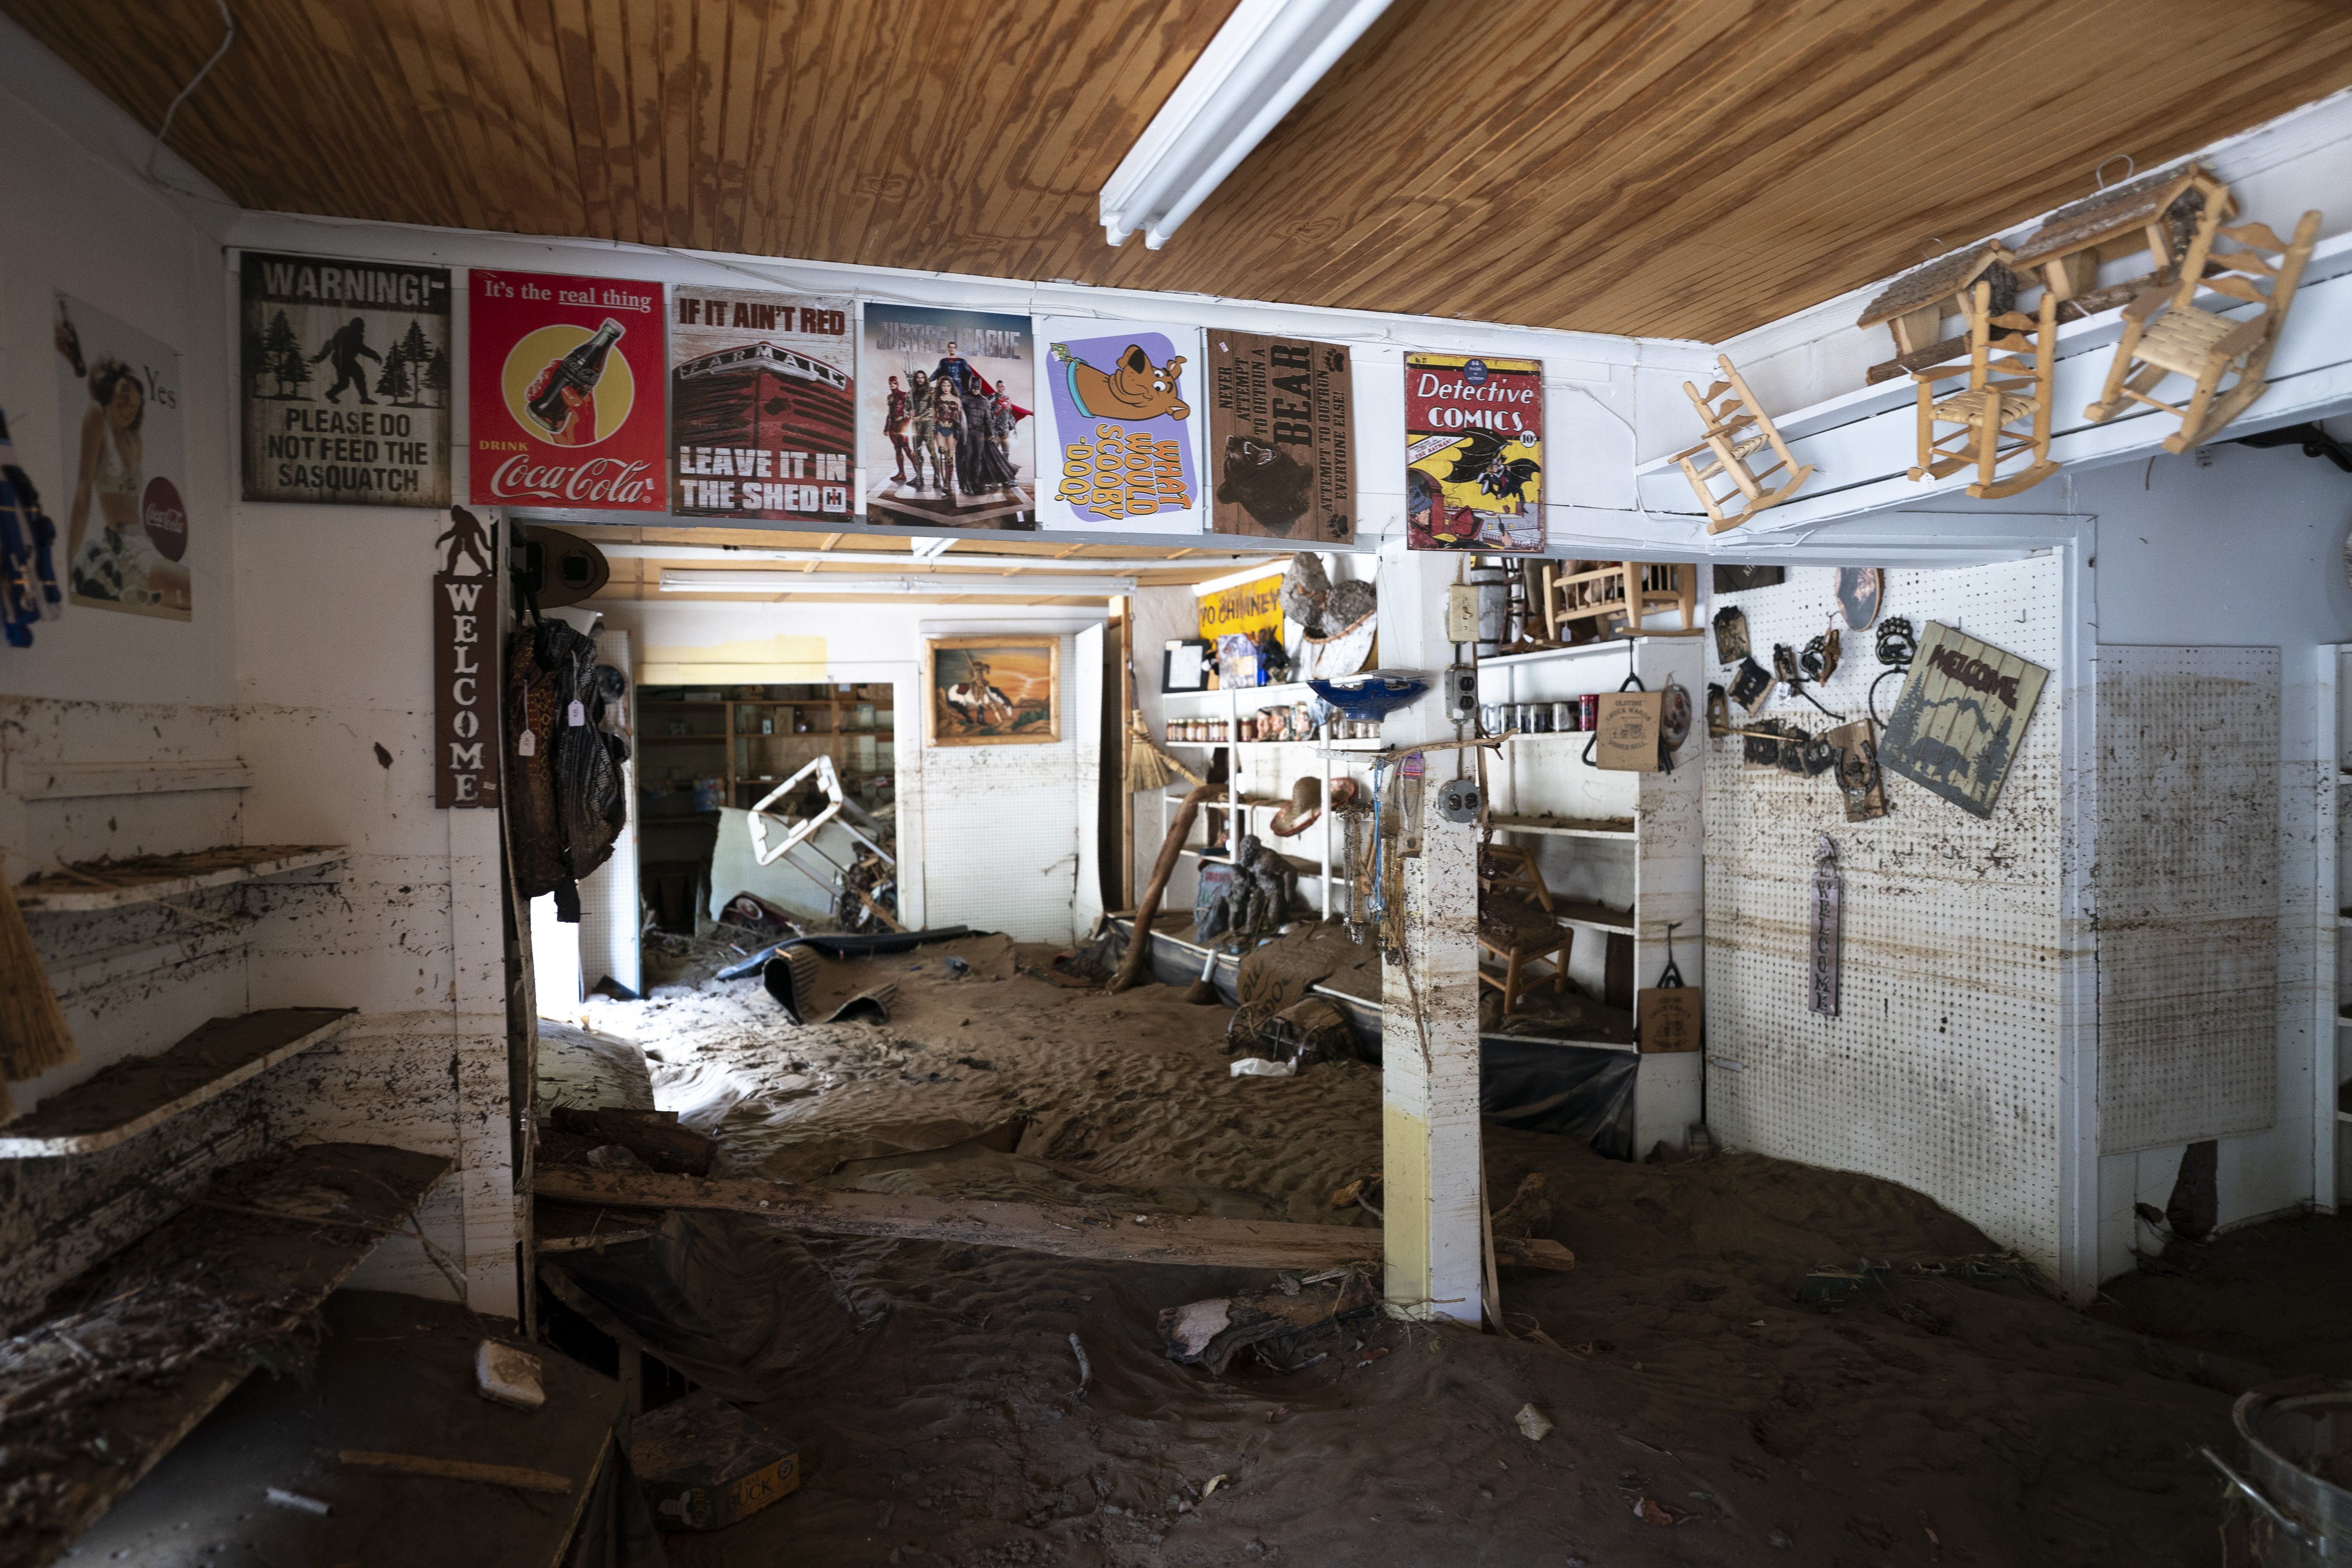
<point>1120,413</point>
<point>1473,454</point>
<point>1281,437</point>
<point>346,380</point>
<point>762,404</point>
<point>945,418</point>
<point>565,382</point>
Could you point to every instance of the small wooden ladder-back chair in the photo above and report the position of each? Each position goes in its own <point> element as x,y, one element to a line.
<point>2164,335</point>
<point>2003,411</point>
<point>1726,451</point>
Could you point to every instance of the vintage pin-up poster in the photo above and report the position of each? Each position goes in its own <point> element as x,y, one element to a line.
<point>1120,423</point>
<point>125,524</point>
<point>1281,437</point>
<point>566,391</point>
<point>762,404</point>
<point>1473,454</point>
<point>347,381</point>
<point>1960,718</point>
<point>946,417</point>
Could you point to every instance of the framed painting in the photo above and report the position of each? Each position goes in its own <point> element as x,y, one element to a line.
<point>994,691</point>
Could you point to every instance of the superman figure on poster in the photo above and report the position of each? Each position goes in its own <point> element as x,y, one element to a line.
<point>982,462</point>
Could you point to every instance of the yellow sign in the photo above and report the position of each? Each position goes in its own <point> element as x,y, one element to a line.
<point>1252,609</point>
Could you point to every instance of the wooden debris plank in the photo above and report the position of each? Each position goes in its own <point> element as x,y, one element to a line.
<point>219,1271</point>
<point>1118,1234</point>
<point>117,884</point>
<point>139,1094</point>
<point>1581,912</point>
<point>393,1374</point>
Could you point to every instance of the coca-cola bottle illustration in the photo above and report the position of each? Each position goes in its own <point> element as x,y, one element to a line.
<point>578,371</point>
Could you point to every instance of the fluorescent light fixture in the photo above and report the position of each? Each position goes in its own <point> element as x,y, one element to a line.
<point>1272,568</point>
<point>719,556</point>
<point>959,582</point>
<point>1256,69</point>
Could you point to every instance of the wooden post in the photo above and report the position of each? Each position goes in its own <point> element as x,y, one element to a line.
<point>1429,1003</point>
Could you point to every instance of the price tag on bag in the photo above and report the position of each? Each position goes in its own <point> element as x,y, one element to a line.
<point>578,714</point>
<point>526,744</point>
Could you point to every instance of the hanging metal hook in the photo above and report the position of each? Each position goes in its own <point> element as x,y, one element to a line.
<point>2099,172</point>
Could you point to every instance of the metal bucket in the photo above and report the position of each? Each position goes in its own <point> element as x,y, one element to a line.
<point>2291,1505</point>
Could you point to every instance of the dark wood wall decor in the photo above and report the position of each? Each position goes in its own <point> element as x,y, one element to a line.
<point>1615,165</point>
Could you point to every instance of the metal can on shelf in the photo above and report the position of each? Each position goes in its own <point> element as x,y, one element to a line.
<point>1566,716</point>
<point>1588,711</point>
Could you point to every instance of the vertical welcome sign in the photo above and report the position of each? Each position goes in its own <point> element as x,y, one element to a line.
<point>465,705</point>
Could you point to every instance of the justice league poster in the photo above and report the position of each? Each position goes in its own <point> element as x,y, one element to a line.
<point>565,387</point>
<point>945,418</point>
<point>1120,423</point>
<point>1473,454</point>
<point>346,380</point>
<point>762,404</point>
<point>1282,442</point>
<point>125,526</point>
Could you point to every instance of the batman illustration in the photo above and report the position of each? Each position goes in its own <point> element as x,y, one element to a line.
<point>1480,458</point>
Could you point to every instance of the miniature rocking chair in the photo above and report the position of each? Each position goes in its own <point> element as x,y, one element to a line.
<point>1730,450</point>
<point>2164,335</point>
<point>2004,409</point>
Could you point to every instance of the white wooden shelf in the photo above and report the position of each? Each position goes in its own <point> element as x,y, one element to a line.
<point>57,891</point>
<point>140,1094</point>
<point>1619,647</point>
<point>1566,827</point>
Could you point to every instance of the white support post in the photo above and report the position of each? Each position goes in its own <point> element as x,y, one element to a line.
<point>1429,1003</point>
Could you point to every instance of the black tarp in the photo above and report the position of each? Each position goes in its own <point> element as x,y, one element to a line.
<point>1543,1085</point>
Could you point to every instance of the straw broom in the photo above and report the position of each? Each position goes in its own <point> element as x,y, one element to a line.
<point>1148,767</point>
<point>33,1034</point>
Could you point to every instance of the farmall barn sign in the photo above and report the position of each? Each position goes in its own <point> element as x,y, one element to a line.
<point>567,392</point>
<point>762,404</point>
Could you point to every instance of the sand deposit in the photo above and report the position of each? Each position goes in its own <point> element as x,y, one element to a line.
<point>1701,1413</point>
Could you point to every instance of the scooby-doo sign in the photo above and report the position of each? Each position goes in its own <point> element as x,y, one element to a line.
<point>1120,415</point>
<point>1281,437</point>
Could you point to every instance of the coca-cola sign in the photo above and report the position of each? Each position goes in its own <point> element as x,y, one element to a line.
<point>567,377</point>
<point>598,482</point>
<point>164,519</point>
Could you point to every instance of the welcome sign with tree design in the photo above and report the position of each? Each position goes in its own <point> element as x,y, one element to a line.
<point>1963,711</point>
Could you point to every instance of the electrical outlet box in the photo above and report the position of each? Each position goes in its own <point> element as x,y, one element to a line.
<point>1462,612</point>
<point>1461,693</point>
<point>1458,801</point>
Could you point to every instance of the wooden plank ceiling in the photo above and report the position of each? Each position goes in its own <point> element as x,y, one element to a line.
<point>1686,168</point>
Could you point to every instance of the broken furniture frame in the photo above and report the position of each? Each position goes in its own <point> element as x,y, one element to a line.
<point>804,830</point>
<point>1995,416</point>
<point>2165,334</point>
<point>1728,451</point>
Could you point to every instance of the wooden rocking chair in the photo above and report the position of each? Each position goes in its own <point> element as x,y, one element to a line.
<point>1609,592</point>
<point>2164,335</point>
<point>1730,451</point>
<point>1997,415</point>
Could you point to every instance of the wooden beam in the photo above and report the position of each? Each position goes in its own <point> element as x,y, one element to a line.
<point>1119,1235</point>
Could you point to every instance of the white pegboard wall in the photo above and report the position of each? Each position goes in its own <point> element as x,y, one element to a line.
<point>2187,894</point>
<point>1001,827</point>
<point>1940,1071</point>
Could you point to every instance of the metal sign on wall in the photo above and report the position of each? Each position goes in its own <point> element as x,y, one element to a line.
<point>1282,438</point>
<point>464,687</point>
<point>1960,719</point>
<point>346,380</point>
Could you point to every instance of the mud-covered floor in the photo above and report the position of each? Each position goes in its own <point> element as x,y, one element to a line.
<point>1927,1419</point>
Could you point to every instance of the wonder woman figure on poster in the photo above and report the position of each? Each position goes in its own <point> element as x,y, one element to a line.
<point>117,561</point>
